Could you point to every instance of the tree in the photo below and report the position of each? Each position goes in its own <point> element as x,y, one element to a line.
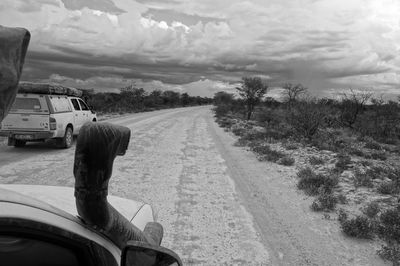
<point>223,97</point>
<point>307,117</point>
<point>153,99</point>
<point>381,120</point>
<point>185,99</point>
<point>352,105</point>
<point>170,98</point>
<point>133,97</point>
<point>291,93</point>
<point>251,91</point>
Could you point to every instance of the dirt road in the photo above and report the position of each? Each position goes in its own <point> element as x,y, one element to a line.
<point>218,204</point>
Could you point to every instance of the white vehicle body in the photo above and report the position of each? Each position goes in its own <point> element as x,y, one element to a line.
<point>22,204</point>
<point>35,117</point>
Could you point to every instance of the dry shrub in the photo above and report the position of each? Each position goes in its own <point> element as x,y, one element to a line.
<point>324,202</point>
<point>360,226</point>
<point>314,184</point>
<point>307,118</point>
<point>286,160</point>
<point>239,129</point>
<point>266,153</point>
<point>389,228</point>
<point>379,156</point>
<point>362,179</point>
<point>331,140</point>
<point>291,146</point>
<point>387,188</point>
<point>356,152</point>
<point>372,209</point>
<point>390,252</point>
<point>315,160</point>
<point>342,163</point>
<point>373,145</point>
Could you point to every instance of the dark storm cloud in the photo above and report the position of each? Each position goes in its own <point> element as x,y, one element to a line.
<point>170,16</point>
<point>35,5</point>
<point>80,65</point>
<point>302,42</point>
<point>349,72</point>
<point>159,1</point>
<point>101,5</point>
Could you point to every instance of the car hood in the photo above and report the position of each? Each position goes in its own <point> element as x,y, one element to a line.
<point>62,198</point>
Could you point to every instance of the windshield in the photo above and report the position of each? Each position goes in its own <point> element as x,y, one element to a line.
<point>60,104</point>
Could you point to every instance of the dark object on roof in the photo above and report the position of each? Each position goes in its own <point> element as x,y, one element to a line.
<point>45,88</point>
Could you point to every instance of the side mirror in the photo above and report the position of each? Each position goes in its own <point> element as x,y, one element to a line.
<point>138,253</point>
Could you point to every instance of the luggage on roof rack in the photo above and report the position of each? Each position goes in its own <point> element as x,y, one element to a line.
<point>46,88</point>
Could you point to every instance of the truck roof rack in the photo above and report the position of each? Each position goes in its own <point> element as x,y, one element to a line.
<point>47,88</point>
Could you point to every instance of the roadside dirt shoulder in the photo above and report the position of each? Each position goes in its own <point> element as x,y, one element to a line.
<point>291,232</point>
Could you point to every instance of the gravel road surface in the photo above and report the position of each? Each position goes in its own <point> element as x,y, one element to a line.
<point>217,203</point>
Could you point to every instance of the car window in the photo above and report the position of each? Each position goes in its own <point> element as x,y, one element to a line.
<point>60,104</point>
<point>75,104</point>
<point>29,104</point>
<point>26,103</point>
<point>16,251</point>
<point>83,105</point>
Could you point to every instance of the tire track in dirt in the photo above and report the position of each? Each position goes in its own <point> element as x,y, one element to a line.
<point>212,225</point>
<point>173,165</point>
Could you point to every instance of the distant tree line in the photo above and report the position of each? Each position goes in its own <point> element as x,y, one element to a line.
<point>133,99</point>
<point>299,114</point>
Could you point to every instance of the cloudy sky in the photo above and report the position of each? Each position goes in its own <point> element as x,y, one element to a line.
<point>205,46</point>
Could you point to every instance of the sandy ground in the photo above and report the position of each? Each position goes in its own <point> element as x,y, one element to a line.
<point>218,204</point>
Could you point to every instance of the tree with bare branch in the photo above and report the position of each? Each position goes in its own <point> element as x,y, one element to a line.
<point>252,91</point>
<point>352,105</point>
<point>291,93</point>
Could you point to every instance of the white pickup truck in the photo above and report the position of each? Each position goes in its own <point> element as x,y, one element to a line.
<point>54,114</point>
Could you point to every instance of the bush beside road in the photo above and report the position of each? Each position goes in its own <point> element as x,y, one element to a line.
<point>344,153</point>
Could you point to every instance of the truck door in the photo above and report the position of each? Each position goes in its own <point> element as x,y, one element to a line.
<point>79,118</point>
<point>86,113</point>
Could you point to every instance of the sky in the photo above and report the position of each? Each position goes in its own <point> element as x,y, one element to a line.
<point>205,46</point>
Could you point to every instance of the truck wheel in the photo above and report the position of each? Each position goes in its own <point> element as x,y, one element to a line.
<point>19,143</point>
<point>66,141</point>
